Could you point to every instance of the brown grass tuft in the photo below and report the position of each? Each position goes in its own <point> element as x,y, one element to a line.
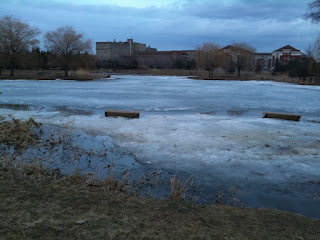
<point>178,188</point>
<point>20,133</point>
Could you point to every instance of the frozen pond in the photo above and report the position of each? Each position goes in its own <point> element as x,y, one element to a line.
<point>212,130</point>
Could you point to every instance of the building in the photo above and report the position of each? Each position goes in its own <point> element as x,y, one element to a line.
<point>262,61</point>
<point>126,52</point>
<point>130,51</point>
<point>116,50</point>
<point>285,54</point>
<point>164,59</point>
<point>238,56</point>
<point>267,61</point>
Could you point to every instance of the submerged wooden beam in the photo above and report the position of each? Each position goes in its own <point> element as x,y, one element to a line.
<point>121,113</point>
<point>284,116</point>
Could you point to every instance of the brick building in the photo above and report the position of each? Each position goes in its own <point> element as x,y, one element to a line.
<point>285,54</point>
<point>126,52</point>
<point>263,61</point>
<point>115,50</point>
<point>164,59</point>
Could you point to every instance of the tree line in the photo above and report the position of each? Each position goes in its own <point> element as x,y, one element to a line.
<point>67,49</point>
<point>237,57</point>
<point>19,47</point>
<point>308,66</point>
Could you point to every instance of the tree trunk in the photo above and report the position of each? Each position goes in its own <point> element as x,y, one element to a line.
<point>11,70</point>
<point>12,61</point>
<point>66,72</point>
<point>0,71</point>
<point>238,72</point>
<point>210,73</point>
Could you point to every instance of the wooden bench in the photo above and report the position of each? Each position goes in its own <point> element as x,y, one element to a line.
<point>121,113</point>
<point>284,116</point>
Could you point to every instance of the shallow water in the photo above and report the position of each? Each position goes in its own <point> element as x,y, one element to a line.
<point>212,130</point>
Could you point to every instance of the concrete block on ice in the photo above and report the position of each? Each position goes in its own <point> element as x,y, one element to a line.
<point>121,113</point>
<point>284,116</point>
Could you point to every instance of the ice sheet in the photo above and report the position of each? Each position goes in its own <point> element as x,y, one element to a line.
<point>211,129</point>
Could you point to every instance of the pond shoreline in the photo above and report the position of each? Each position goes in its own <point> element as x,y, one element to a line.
<point>44,206</point>
<point>186,128</point>
<point>52,75</point>
<point>96,158</point>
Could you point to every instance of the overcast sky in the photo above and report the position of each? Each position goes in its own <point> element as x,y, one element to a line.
<point>174,24</point>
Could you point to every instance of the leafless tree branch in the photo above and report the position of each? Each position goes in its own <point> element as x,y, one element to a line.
<point>66,42</point>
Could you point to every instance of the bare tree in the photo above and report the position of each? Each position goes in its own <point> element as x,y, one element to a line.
<point>2,60</point>
<point>207,56</point>
<point>316,49</point>
<point>66,42</point>
<point>16,38</point>
<point>310,51</point>
<point>243,56</point>
<point>313,12</point>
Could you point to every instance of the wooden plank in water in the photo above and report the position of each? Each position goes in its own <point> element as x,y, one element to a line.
<point>284,116</point>
<point>121,113</point>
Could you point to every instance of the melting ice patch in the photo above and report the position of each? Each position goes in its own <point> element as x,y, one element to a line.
<point>211,129</point>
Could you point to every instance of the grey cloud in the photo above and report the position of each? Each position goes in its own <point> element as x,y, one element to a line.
<point>182,26</point>
<point>281,10</point>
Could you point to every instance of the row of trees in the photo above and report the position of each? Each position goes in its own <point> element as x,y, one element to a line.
<point>301,68</point>
<point>308,65</point>
<point>68,49</point>
<point>239,56</point>
<point>37,59</point>
<point>65,46</point>
<point>313,14</point>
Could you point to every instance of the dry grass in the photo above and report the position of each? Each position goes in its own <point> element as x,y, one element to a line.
<point>178,188</point>
<point>20,133</point>
<point>80,75</point>
<point>161,72</point>
<point>217,75</point>
<point>51,208</point>
<point>17,137</point>
<point>86,75</point>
